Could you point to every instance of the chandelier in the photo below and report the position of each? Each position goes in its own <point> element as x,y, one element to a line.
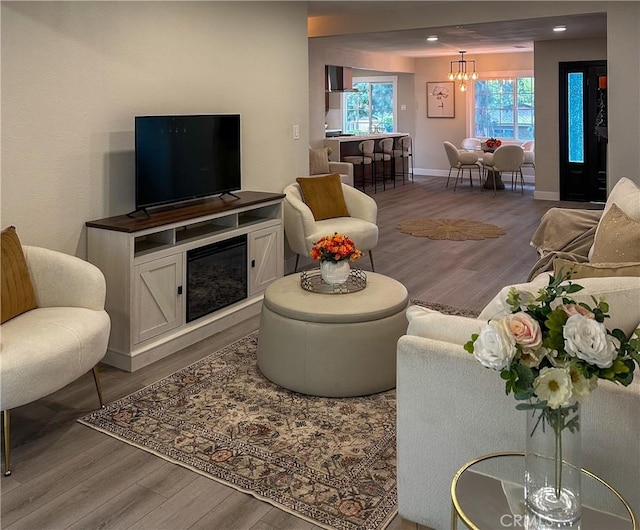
<point>464,72</point>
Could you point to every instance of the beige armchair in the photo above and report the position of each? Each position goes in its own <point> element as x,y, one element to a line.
<point>302,230</point>
<point>45,349</point>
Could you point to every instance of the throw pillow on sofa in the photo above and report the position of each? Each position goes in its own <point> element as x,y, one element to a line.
<point>626,195</point>
<point>17,294</point>
<point>594,270</point>
<point>617,238</point>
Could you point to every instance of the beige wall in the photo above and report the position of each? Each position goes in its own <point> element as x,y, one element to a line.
<point>74,75</point>
<point>430,157</point>
<point>320,55</point>
<point>623,70</point>
<point>548,55</point>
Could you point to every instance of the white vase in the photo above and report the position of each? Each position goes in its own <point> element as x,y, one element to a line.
<point>334,273</point>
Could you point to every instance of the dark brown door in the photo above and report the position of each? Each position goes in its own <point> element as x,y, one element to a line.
<point>583,131</point>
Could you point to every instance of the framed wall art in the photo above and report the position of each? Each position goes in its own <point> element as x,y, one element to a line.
<point>441,97</point>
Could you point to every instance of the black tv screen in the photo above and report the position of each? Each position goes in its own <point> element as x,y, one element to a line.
<point>186,157</point>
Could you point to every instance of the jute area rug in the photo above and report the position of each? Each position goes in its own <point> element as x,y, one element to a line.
<point>451,229</point>
<point>329,461</point>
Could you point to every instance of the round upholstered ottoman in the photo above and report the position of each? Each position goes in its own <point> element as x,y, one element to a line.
<point>332,345</point>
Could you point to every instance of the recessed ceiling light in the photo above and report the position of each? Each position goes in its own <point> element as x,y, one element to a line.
<point>432,38</point>
<point>560,28</point>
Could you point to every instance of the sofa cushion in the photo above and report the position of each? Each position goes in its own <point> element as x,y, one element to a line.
<point>626,195</point>
<point>595,270</point>
<point>621,293</point>
<point>617,238</point>
<point>323,196</point>
<point>17,293</point>
<point>319,161</point>
<point>427,323</point>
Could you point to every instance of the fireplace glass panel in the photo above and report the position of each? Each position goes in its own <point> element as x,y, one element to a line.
<point>216,276</point>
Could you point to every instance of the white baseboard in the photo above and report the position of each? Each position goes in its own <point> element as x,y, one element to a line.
<point>546,195</point>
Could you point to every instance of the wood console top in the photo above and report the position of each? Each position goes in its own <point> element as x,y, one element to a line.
<point>165,215</point>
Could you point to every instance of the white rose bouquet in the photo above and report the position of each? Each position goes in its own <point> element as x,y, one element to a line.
<point>551,350</point>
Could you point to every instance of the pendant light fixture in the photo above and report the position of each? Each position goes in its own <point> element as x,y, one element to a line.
<point>466,70</point>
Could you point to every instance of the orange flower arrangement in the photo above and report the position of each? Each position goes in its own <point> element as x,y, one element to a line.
<point>335,248</point>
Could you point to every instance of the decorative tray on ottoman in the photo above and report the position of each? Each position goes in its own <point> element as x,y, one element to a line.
<point>312,281</point>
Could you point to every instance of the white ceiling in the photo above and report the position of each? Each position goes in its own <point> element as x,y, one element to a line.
<point>495,37</point>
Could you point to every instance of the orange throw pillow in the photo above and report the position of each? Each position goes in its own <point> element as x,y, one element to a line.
<point>17,293</point>
<point>323,196</point>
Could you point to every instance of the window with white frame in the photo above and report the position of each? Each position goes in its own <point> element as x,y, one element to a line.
<point>372,108</point>
<point>503,107</point>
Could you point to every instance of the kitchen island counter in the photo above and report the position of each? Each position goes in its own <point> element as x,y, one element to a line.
<point>342,146</point>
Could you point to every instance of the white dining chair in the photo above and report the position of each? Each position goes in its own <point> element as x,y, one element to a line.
<point>507,158</point>
<point>461,160</point>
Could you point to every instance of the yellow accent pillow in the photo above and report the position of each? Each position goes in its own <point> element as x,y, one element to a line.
<point>323,196</point>
<point>319,161</point>
<point>17,294</point>
<point>595,270</point>
<point>617,239</point>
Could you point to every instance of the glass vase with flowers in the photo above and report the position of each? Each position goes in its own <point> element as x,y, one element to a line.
<point>551,351</point>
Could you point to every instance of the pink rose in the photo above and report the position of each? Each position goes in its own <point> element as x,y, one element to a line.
<point>525,330</point>
<point>575,309</point>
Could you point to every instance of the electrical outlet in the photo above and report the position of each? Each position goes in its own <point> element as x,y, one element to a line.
<point>403,107</point>
<point>296,132</point>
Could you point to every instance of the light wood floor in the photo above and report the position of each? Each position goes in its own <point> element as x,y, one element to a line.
<point>66,475</point>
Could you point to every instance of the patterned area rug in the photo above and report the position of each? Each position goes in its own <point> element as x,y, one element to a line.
<point>451,229</point>
<point>330,461</point>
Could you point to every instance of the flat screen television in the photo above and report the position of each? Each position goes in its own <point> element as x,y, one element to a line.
<point>179,158</point>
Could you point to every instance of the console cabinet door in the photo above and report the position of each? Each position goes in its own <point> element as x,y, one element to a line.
<point>266,258</point>
<point>158,302</point>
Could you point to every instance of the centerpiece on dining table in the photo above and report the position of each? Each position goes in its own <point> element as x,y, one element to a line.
<point>492,143</point>
<point>551,351</point>
<point>335,252</point>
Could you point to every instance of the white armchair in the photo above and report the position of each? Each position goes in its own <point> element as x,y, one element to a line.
<point>47,348</point>
<point>451,409</point>
<point>302,230</point>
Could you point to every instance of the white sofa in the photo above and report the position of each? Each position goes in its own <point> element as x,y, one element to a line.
<point>47,348</point>
<point>451,409</point>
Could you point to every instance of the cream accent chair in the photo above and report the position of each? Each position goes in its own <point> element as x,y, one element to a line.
<point>451,409</point>
<point>302,230</point>
<point>460,159</point>
<point>344,169</point>
<point>45,349</point>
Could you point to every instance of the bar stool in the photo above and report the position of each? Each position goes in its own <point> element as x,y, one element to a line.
<point>366,148</point>
<point>405,153</point>
<point>383,156</point>
<point>386,144</point>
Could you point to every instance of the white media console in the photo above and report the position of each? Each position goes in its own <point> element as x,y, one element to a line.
<point>145,262</point>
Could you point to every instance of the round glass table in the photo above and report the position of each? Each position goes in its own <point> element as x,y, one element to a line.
<point>488,494</point>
